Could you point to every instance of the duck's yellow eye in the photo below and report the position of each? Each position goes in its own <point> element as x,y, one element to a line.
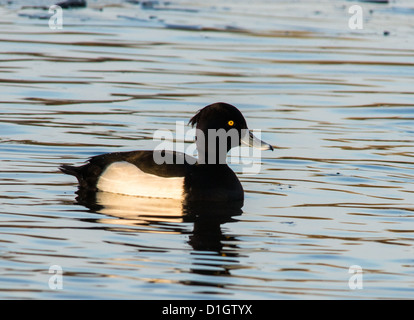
<point>230,123</point>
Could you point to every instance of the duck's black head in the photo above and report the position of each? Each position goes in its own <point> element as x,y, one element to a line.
<point>220,127</point>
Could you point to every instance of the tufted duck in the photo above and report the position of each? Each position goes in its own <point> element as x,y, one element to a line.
<point>207,178</point>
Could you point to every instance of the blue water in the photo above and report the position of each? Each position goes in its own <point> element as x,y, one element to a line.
<point>337,192</point>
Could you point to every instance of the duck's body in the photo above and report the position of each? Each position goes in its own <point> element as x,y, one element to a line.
<point>137,173</point>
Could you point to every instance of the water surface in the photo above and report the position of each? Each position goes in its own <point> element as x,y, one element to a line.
<point>337,192</point>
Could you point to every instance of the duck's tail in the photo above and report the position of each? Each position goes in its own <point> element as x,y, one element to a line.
<point>73,171</point>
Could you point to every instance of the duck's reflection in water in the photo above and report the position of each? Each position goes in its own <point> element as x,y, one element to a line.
<point>214,252</point>
<point>169,216</point>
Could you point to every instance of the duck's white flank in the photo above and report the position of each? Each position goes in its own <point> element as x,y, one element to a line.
<point>125,178</point>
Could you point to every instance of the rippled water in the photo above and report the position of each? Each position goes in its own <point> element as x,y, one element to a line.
<point>337,192</point>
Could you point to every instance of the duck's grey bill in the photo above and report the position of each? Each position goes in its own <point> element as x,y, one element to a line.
<point>250,140</point>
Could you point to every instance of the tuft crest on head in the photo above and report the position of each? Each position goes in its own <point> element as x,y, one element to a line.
<point>211,110</point>
<point>195,119</point>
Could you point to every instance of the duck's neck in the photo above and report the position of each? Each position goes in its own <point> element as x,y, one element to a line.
<point>212,157</point>
<point>213,145</point>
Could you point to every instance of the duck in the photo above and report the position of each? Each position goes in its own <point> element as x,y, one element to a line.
<point>208,178</point>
